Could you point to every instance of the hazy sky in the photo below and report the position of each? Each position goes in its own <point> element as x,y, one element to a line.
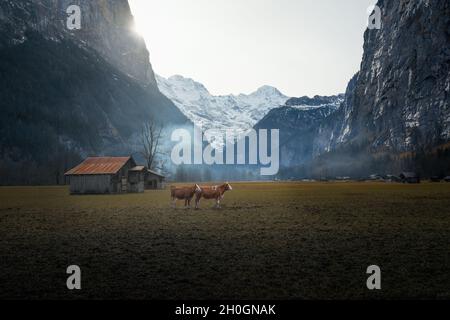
<point>302,47</point>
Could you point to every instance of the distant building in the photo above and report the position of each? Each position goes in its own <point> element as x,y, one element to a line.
<point>392,178</point>
<point>435,179</point>
<point>100,175</point>
<point>376,177</point>
<point>409,177</point>
<point>343,178</point>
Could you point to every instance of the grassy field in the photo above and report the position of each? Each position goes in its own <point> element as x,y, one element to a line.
<point>269,241</point>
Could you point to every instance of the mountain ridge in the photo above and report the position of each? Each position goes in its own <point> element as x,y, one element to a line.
<point>240,112</point>
<point>299,122</point>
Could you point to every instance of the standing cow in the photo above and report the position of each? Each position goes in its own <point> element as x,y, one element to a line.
<point>183,193</point>
<point>216,192</point>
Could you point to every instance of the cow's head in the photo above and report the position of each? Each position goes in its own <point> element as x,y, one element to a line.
<point>228,186</point>
<point>198,189</point>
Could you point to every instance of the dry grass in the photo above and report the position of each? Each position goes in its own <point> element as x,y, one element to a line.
<point>270,240</point>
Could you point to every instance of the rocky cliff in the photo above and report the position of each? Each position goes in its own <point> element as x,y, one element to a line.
<point>400,99</point>
<point>396,107</point>
<point>106,25</point>
<point>67,94</point>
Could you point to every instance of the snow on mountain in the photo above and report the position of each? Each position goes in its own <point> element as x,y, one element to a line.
<point>306,103</point>
<point>240,112</point>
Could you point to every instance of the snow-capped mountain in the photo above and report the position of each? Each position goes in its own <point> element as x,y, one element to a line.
<point>240,112</point>
<point>331,103</point>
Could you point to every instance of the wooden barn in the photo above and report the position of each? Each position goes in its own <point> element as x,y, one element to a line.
<point>154,180</point>
<point>101,175</point>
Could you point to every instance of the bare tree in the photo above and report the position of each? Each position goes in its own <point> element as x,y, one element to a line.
<point>151,138</point>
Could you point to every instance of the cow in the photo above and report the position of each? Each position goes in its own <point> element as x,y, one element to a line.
<point>216,192</point>
<point>183,193</point>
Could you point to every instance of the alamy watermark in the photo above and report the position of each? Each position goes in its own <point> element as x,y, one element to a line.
<point>74,280</point>
<point>374,20</point>
<point>228,147</point>
<point>73,21</point>
<point>374,280</point>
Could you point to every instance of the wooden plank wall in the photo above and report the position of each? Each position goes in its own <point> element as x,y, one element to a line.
<point>87,184</point>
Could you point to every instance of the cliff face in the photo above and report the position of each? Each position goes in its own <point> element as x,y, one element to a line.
<point>106,26</point>
<point>397,104</point>
<point>70,94</point>
<point>332,129</point>
<point>400,100</point>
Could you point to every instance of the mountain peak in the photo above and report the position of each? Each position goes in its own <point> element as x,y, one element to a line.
<point>177,77</point>
<point>268,90</point>
<point>180,82</point>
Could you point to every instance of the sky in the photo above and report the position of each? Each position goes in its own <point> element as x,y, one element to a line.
<point>301,47</point>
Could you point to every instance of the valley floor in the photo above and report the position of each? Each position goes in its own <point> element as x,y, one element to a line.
<point>270,240</point>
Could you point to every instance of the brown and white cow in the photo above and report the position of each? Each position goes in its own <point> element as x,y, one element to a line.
<point>183,193</point>
<point>215,192</point>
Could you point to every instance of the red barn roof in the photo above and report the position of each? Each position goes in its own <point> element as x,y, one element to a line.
<point>100,165</point>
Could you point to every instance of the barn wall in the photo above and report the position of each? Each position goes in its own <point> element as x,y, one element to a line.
<point>137,187</point>
<point>161,184</point>
<point>91,184</point>
<point>121,179</point>
<point>136,182</point>
<point>154,182</point>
